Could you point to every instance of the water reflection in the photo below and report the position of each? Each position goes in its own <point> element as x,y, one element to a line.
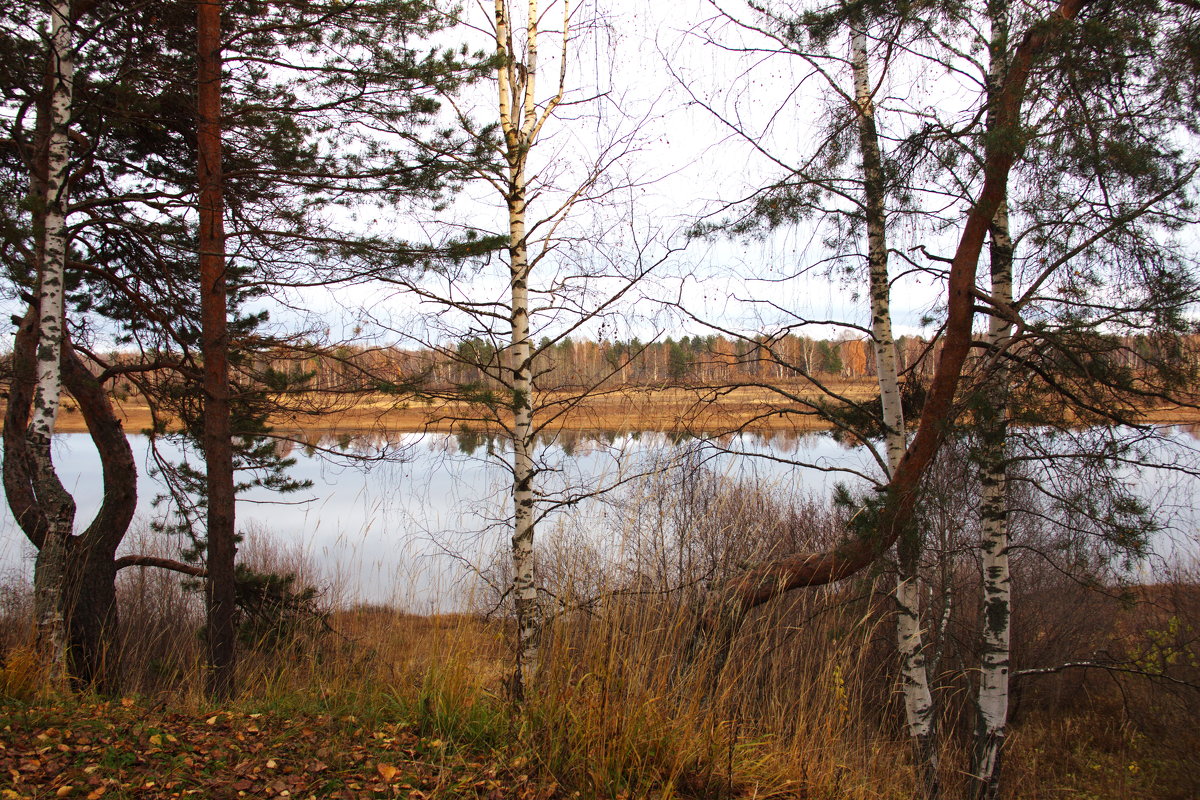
<point>396,517</point>
<point>472,441</point>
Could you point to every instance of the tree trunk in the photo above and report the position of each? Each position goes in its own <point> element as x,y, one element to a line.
<point>992,702</point>
<point>918,700</point>
<point>520,122</point>
<point>218,436</point>
<point>997,597</point>
<point>91,590</point>
<point>92,623</point>
<point>88,593</point>
<point>50,567</point>
<point>769,580</point>
<point>524,584</point>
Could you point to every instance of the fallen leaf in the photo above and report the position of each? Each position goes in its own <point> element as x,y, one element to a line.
<point>386,771</point>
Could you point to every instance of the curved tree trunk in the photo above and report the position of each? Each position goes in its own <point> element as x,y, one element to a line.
<point>760,584</point>
<point>88,594</point>
<point>91,589</point>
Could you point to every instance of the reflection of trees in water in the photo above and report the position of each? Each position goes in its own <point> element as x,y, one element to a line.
<point>370,444</point>
<point>585,442</point>
<point>1192,429</point>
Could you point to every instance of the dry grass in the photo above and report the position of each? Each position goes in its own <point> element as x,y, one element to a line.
<point>628,703</point>
<point>659,409</point>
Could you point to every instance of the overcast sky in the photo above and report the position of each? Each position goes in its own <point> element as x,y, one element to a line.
<point>641,75</point>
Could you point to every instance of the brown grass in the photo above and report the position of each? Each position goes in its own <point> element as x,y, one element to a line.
<point>633,409</point>
<point>626,706</point>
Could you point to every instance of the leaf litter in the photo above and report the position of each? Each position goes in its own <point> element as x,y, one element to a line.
<point>128,749</point>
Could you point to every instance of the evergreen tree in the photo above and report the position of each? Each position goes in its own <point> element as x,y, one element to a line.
<point>301,77</point>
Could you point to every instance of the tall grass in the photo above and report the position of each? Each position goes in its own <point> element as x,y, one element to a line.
<point>630,703</point>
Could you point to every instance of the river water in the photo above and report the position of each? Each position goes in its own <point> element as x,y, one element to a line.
<point>405,529</point>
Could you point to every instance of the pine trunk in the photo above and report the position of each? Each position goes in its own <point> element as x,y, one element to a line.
<point>92,623</point>
<point>218,436</point>
<point>918,699</point>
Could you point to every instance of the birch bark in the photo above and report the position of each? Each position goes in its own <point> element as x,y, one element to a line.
<point>521,121</point>
<point>992,699</point>
<point>918,700</point>
<point>57,504</point>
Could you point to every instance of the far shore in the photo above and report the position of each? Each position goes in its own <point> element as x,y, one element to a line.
<point>674,409</point>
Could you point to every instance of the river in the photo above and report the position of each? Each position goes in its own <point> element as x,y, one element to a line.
<point>401,530</point>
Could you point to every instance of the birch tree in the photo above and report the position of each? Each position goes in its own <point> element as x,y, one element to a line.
<point>556,280</point>
<point>50,203</point>
<point>522,117</point>
<point>995,660</point>
<point>1113,251</point>
<point>918,700</point>
<point>814,189</point>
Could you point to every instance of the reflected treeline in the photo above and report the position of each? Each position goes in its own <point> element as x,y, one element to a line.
<point>571,443</point>
<point>1192,430</point>
<point>370,444</point>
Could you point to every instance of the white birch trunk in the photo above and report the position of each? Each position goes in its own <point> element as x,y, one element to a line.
<point>918,699</point>
<point>992,721</point>
<point>520,122</point>
<point>997,589</point>
<point>57,504</point>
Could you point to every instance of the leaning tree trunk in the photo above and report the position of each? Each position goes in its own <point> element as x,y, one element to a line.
<point>992,702</point>
<point>918,699</point>
<point>50,567</point>
<point>773,578</point>
<point>218,436</point>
